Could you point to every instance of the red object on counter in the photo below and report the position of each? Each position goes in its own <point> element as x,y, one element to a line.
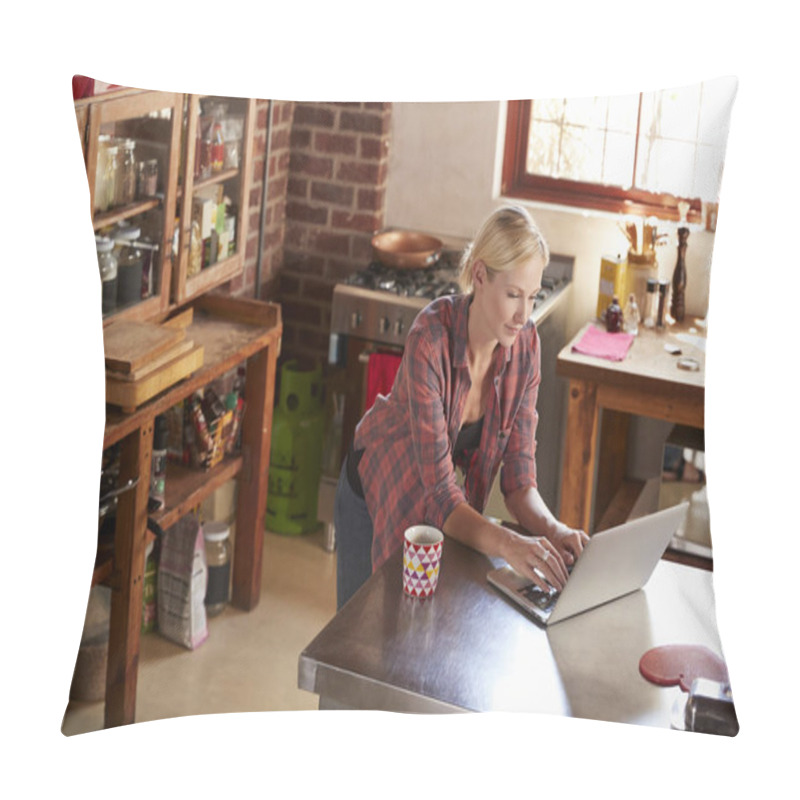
<point>82,87</point>
<point>674,664</point>
<point>381,372</point>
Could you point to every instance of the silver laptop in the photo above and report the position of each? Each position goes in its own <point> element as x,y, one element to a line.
<point>615,562</point>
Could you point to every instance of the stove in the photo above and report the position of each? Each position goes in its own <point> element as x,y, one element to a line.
<point>379,303</point>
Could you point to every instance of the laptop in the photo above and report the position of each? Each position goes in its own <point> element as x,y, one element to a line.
<point>614,562</point>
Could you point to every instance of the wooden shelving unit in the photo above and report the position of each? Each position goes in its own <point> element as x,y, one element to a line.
<point>232,332</point>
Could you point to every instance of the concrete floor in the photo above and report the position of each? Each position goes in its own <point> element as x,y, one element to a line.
<point>249,661</point>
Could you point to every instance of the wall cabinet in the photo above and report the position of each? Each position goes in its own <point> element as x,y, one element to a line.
<point>193,216</point>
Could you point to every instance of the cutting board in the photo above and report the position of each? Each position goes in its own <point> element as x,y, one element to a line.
<point>129,395</point>
<point>131,345</point>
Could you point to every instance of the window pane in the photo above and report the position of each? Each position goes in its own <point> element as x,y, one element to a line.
<point>543,147</point>
<point>623,112</point>
<point>581,154</point>
<point>672,113</point>
<point>715,111</point>
<point>589,112</point>
<point>708,175</point>
<point>665,166</point>
<point>618,159</point>
<point>551,110</point>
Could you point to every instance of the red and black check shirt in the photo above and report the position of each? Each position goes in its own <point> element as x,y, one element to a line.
<point>408,437</point>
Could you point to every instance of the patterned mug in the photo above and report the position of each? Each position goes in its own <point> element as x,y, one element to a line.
<point>422,554</point>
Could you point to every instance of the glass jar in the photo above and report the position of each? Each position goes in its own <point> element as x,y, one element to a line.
<point>630,317</point>
<point>131,263</point>
<point>110,177</point>
<point>147,185</point>
<point>100,192</point>
<point>108,274</point>
<point>126,178</point>
<point>218,559</point>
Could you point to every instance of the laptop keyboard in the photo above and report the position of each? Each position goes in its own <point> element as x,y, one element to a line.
<point>540,599</point>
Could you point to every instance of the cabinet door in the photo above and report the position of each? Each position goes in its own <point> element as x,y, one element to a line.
<point>152,121</point>
<point>215,196</point>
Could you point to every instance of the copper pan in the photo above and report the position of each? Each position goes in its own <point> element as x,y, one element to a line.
<point>406,249</point>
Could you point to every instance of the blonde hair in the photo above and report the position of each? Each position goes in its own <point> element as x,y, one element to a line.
<point>507,237</point>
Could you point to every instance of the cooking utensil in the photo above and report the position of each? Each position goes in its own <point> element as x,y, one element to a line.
<point>406,249</point>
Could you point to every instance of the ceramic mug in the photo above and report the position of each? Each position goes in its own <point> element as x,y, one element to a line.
<point>422,555</point>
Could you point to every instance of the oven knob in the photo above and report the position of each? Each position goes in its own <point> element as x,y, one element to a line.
<point>398,327</point>
<point>355,319</point>
<point>383,325</point>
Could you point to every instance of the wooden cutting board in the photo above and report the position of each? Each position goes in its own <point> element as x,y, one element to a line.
<point>131,345</point>
<point>129,395</point>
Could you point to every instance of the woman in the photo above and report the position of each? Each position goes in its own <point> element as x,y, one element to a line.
<point>464,397</point>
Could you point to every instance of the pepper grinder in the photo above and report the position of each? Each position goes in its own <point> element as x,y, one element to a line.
<point>678,306</point>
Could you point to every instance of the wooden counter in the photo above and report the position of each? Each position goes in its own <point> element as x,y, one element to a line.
<point>231,331</point>
<point>648,382</point>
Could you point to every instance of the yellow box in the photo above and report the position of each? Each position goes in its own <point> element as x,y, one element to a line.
<point>613,282</point>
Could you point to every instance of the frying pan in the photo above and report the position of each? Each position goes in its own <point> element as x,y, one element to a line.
<point>406,249</point>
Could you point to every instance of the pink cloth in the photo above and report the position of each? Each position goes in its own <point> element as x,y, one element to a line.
<point>602,344</point>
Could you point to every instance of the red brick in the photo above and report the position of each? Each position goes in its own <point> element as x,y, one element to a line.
<point>330,243</point>
<point>365,223</point>
<point>335,143</point>
<point>374,148</point>
<point>313,115</point>
<point>300,137</point>
<point>306,213</point>
<point>371,199</point>
<point>358,172</point>
<point>297,311</point>
<point>309,165</point>
<point>332,193</point>
<point>363,122</point>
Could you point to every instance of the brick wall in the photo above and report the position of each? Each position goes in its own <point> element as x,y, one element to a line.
<point>335,201</point>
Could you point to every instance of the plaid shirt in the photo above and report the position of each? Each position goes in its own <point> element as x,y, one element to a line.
<point>408,437</point>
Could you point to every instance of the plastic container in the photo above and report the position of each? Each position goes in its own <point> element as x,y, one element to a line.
<point>218,560</point>
<point>651,304</point>
<point>296,452</point>
<point>108,274</point>
<point>131,263</point>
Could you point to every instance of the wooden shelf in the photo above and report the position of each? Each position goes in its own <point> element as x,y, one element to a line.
<point>186,488</point>
<point>115,215</point>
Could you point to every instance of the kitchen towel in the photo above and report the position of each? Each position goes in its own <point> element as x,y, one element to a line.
<point>602,344</point>
<point>381,370</point>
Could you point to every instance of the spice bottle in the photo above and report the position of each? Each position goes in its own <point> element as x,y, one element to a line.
<point>110,178</point>
<point>217,147</point>
<point>218,559</point>
<point>651,303</point>
<point>661,317</point>
<point>148,178</point>
<point>108,274</point>
<point>630,318</point>
<point>614,316</point>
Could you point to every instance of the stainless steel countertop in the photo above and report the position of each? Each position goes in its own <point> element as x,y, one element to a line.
<point>470,649</point>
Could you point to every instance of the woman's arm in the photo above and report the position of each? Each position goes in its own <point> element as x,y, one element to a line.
<point>534,557</point>
<point>532,513</point>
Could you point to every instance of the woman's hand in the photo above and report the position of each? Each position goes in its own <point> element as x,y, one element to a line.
<point>538,559</point>
<point>568,541</point>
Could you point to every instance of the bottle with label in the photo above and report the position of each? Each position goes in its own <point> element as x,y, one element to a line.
<point>218,559</point>
<point>630,318</point>
<point>651,304</point>
<point>158,469</point>
<point>614,316</point>
<point>108,274</point>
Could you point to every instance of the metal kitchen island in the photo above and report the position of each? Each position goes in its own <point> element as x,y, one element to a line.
<point>470,649</point>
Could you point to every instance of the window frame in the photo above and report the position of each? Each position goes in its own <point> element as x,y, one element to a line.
<point>518,183</point>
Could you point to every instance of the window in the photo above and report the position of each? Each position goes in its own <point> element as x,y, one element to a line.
<point>634,154</point>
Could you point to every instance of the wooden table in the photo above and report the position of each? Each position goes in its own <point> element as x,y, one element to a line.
<point>469,648</point>
<point>648,382</point>
<point>231,331</point>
